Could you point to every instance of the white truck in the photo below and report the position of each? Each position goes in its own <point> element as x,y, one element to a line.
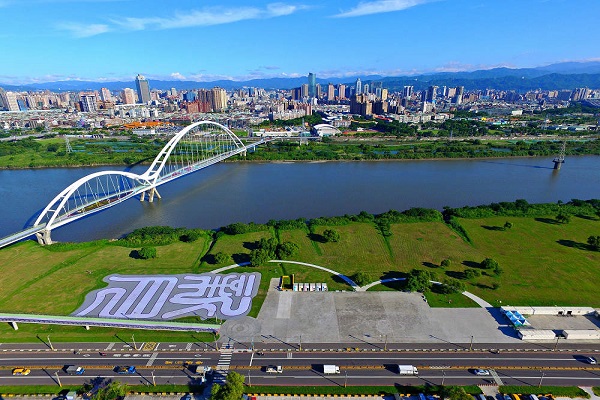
<point>331,369</point>
<point>407,370</point>
<point>273,369</point>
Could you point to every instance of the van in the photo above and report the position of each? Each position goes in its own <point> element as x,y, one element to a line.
<point>71,395</point>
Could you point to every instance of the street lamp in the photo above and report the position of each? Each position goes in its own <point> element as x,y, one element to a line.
<point>216,343</point>
<point>249,382</point>
<point>346,379</point>
<point>50,343</point>
<point>385,344</point>
<point>58,379</point>
<point>556,344</point>
<point>471,344</point>
<point>153,381</point>
<point>300,343</point>
<point>443,377</point>
<point>541,379</point>
<point>134,345</point>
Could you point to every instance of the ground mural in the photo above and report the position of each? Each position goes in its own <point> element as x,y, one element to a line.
<point>172,296</point>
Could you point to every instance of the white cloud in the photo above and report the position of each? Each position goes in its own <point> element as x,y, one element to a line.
<point>380,6</point>
<point>84,30</point>
<point>178,76</point>
<point>207,17</point>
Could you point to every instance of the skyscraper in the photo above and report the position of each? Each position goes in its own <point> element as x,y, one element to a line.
<point>88,103</point>
<point>407,92</point>
<point>312,85</point>
<point>358,86</point>
<point>330,92</point>
<point>128,96</point>
<point>143,89</point>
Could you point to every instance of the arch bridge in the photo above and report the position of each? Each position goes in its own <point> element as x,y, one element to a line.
<point>195,147</point>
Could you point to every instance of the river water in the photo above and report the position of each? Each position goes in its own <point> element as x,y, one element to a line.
<point>242,192</point>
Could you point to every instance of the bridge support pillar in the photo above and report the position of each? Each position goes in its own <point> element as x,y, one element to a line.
<point>43,237</point>
<point>143,196</point>
<point>153,192</point>
<point>15,326</point>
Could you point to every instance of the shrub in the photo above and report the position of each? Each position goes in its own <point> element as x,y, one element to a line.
<point>146,253</point>
<point>471,273</point>
<point>331,235</point>
<point>362,278</point>
<point>287,250</point>
<point>489,263</point>
<point>445,263</point>
<point>222,258</point>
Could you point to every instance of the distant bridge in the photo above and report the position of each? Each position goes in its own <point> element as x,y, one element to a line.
<point>195,147</point>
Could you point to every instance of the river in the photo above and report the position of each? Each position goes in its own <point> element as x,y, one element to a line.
<point>242,192</point>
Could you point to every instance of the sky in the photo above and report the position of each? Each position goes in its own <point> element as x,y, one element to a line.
<point>206,40</point>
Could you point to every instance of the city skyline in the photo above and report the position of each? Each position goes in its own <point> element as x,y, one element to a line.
<point>112,40</point>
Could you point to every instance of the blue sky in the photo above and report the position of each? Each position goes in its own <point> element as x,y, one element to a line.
<point>204,40</point>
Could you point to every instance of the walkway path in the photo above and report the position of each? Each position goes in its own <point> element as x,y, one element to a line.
<point>482,303</point>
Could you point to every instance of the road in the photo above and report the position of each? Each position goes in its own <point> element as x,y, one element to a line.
<point>165,363</point>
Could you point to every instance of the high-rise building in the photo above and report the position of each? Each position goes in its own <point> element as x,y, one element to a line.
<point>219,99</point>
<point>304,89</point>
<point>88,103</point>
<point>366,89</point>
<point>312,85</point>
<point>407,92</point>
<point>128,96</point>
<point>431,94</point>
<point>9,101</point>
<point>143,89</point>
<point>459,94</point>
<point>358,87</point>
<point>341,91</point>
<point>330,92</point>
<point>105,94</point>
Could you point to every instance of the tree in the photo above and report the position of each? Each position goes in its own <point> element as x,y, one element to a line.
<point>331,235</point>
<point>445,263</point>
<point>594,241</point>
<point>488,263</point>
<point>419,280</point>
<point>563,218</point>
<point>112,391</point>
<point>222,258</point>
<point>146,253</point>
<point>287,250</point>
<point>233,389</point>
<point>508,225</point>
<point>471,273</point>
<point>455,393</point>
<point>362,278</point>
<point>451,285</point>
<point>259,257</point>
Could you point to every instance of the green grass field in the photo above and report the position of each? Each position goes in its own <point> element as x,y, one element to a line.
<point>543,263</point>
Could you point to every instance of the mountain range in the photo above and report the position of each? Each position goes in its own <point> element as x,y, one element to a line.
<point>566,75</point>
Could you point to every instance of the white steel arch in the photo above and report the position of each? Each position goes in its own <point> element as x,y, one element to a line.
<point>195,147</point>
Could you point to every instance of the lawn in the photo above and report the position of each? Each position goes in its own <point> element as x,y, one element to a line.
<point>544,263</point>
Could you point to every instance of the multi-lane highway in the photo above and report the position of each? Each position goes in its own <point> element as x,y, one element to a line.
<point>165,363</point>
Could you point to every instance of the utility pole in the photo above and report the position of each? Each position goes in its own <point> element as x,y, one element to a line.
<point>385,345</point>
<point>541,379</point>
<point>556,344</point>
<point>153,381</point>
<point>50,343</point>
<point>58,379</point>
<point>443,377</point>
<point>134,345</point>
<point>300,343</point>
<point>216,343</point>
<point>346,379</point>
<point>471,344</point>
<point>249,382</point>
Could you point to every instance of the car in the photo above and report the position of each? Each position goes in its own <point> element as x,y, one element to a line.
<point>103,354</point>
<point>125,370</point>
<point>481,372</point>
<point>21,371</point>
<point>591,360</point>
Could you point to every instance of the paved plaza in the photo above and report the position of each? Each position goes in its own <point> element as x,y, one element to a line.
<point>373,317</point>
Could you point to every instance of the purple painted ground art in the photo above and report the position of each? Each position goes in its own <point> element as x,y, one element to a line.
<point>166,297</point>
